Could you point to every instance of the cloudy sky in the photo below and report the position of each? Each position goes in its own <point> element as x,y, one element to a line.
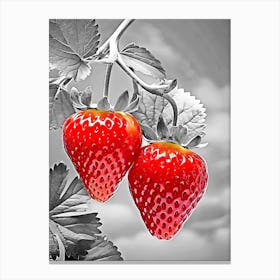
<point>197,53</point>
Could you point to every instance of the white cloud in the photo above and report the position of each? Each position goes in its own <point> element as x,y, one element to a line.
<point>186,246</point>
<point>214,97</point>
<point>153,37</point>
<point>212,207</point>
<point>118,219</point>
<point>204,237</point>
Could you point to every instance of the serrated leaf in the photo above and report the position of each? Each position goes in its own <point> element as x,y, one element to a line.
<point>103,104</point>
<point>72,42</point>
<point>103,250</point>
<point>122,101</point>
<point>86,223</point>
<point>71,241</point>
<point>74,199</point>
<point>148,132</point>
<point>57,183</point>
<point>60,106</point>
<point>162,129</point>
<point>141,60</point>
<point>150,107</point>
<point>73,229</point>
<point>191,113</point>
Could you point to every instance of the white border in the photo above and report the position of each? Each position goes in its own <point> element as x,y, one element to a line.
<point>255,138</point>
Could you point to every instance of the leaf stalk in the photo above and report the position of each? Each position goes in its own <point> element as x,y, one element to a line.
<point>112,55</point>
<point>111,43</point>
<point>154,89</point>
<point>107,79</point>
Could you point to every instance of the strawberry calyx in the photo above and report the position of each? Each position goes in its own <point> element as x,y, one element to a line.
<point>175,134</point>
<point>83,100</point>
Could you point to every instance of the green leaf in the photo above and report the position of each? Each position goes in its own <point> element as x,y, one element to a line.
<point>102,250</point>
<point>122,101</point>
<point>72,43</point>
<point>104,104</point>
<point>191,113</point>
<point>162,129</point>
<point>75,198</point>
<point>133,106</point>
<point>74,244</point>
<point>148,132</point>
<point>141,60</point>
<point>86,223</point>
<point>57,184</point>
<point>180,134</point>
<point>75,96</point>
<point>72,229</point>
<point>150,107</point>
<point>67,212</point>
<point>86,96</point>
<point>194,142</point>
<point>60,106</point>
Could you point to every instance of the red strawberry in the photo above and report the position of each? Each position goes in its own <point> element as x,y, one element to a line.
<point>102,145</point>
<point>166,182</point>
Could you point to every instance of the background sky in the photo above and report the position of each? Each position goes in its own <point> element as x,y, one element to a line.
<point>197,53</point>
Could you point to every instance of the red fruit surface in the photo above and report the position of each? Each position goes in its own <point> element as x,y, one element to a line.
<point>102,146</point>
<point>166,182</point>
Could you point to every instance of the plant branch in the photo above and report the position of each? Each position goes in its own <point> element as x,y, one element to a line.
<point>160,90</point>
<point>174,107</point>
<point>150,88</point>
<point>111,54</point>
<point>112,42</point>
<point>107,79</point>
<point>135,91</point>
<point>135,87</point>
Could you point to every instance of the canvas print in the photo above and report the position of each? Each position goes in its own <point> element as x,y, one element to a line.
<point>139,140</point>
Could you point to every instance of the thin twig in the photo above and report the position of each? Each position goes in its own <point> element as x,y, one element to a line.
<point>150,88</point>
<point>107,79</point>
<point>135,87</point>
<point>174,107</point>
<point>116,35</point>
<point>154,89</point>
<point>114,56</point>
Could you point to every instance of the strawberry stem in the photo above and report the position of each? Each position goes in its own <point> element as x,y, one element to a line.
<point>174,107</point>
<point>111,43</point>
<point>154,89</point>
<point>150,88</point>
<point>135,88</point>
<point>107,79</point>
<point>111,54</point>
<point>122,27</point>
